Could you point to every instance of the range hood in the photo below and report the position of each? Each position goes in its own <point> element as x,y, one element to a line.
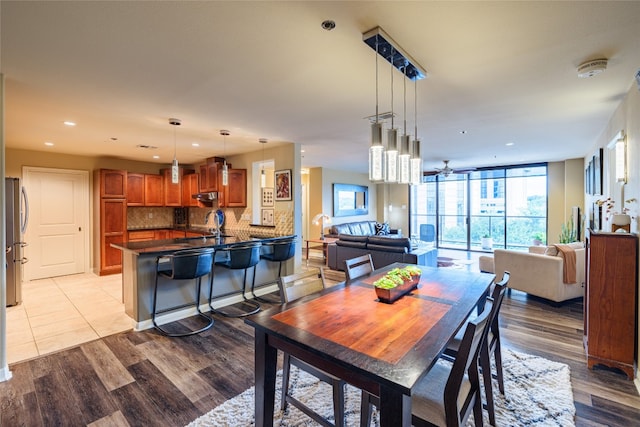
<point>206,197</point>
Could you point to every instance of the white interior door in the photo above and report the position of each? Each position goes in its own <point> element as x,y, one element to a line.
<point>57,235</point>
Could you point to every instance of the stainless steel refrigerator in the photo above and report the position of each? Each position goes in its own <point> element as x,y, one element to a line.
<point>17,218</point>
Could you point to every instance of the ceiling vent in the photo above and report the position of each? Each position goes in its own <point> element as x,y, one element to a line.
<point>592,68</point>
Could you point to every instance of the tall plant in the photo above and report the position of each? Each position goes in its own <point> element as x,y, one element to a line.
<point>568,232</point>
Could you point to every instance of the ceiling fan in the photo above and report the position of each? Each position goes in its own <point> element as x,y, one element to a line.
<point>446,170</point>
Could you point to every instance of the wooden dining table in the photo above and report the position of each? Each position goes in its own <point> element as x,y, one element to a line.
<point>382,348</point>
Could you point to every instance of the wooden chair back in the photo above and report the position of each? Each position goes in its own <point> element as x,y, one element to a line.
<point>358,267</point>
<point>295,286</point>
<point>466,362</point>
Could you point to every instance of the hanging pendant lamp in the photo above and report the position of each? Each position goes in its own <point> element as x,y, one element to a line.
<point>405,154</point>
<point>225,169</point>
<point>376,151</point>
<point>391,153</point>
<point>175,170</point>
<point>263,176</point>
<point>416,158</point>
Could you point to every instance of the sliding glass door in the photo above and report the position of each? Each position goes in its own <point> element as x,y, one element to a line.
<point>498,207</point>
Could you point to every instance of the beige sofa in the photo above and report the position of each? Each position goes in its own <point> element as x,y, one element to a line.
<point>539,272</point>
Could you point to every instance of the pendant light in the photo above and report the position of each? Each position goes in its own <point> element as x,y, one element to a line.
<point>376,151</point>
<point>391,154</point>
<point>405,155</point>
<point>175,170</point>
<point>263,176</point>
<point>416,158</point>
<point>225,169</point>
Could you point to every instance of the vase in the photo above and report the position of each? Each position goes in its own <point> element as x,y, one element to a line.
<point>389,296</point>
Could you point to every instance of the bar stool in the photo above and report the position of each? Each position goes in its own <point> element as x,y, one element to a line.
<point>187,264</point>
<point>280,251</point>
<point>240,257</point>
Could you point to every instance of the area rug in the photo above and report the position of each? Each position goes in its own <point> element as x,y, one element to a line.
<point>537,393</point>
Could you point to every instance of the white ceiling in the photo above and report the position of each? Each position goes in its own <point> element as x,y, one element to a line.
<point>502,71</point>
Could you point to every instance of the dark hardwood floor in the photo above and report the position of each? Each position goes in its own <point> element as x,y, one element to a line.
<point>147,379</point>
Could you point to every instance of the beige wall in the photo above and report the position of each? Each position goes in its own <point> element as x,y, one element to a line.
<point>565,189</point>
<point>332,176</point>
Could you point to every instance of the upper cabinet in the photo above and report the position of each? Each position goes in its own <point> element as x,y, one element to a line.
<point>145,189</point>
<point>153,190</point>
<point>173,192</point>
<point>209,175</point>
<point>135,189</point>
<point>234,195</point>
<point>190,186</point>
<point>113,183</point>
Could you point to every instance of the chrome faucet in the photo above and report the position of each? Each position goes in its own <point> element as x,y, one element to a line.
<point>216,222</point>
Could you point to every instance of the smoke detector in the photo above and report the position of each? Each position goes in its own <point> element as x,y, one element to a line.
<point>592,68</point>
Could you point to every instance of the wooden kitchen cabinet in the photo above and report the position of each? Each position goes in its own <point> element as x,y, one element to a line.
<point>173,192</point>
<point>153,190</point>
<point>135,189</point>
<point>611,301</point>
<point>233,195</point>
<point>141,235</point>
<point>190,186</point>
<point>113,183</point>
<point>113,229</point>
<point>209,175</point>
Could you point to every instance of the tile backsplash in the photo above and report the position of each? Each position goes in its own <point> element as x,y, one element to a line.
<point>235,219</point>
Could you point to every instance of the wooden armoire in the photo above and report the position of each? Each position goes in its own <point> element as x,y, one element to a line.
<point>611,301</point>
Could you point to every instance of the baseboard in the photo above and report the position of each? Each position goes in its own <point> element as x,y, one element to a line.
<point>191,311</point>
<point>5,374</point>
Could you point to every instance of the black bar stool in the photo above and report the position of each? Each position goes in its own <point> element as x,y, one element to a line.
<point>279,251</point>
<point>241,256</point>
<point>188,264</point>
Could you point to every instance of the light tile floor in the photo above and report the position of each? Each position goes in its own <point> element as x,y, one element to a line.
<point>61,312</point>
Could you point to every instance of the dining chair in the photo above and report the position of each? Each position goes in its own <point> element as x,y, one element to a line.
<point>189,264</point>
<point>293,287</point>
<point>448,393</point>
<point>358,267</point>
<point>490,346</point>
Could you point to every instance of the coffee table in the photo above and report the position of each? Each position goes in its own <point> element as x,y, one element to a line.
<point>326,241</point>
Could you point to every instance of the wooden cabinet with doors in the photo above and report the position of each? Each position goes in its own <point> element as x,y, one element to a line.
<point>209,175</point>
<point>234,195</point>
<point>610,300</point>
<point>190,186</point>
<point>113,183</point>
<point>135,189</point>
<point>111,207</point>
<point>153,190</point>
<point>173,192</point>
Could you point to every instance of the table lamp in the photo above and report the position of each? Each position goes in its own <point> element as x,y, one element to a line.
<point>319,219</point>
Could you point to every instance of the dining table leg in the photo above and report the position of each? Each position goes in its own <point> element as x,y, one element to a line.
<point>395,408</point>
<point>265,390</point>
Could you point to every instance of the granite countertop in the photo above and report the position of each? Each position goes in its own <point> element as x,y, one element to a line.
<point>172,245</point>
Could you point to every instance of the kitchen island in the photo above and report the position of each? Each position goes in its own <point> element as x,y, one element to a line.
<point>139,261</point>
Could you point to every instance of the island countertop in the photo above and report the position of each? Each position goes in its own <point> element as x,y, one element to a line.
<point>140,262</point>
<point>172,245</point>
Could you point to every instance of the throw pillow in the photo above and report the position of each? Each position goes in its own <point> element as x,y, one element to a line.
<point>382,229</point>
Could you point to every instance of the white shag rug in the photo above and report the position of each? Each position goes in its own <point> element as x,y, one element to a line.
<point>537,393</point>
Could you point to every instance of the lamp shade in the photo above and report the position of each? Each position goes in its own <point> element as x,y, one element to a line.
<point>404,163</point>
<point>416,163</point>
<point>376,154</point>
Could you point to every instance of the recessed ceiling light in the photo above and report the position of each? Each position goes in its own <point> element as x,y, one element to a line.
<point>48,144</point>
<point>463,132</point>
<point>68,123</point>
<point>156,157</point>
<point>509,144</point>
<point>195,144</point>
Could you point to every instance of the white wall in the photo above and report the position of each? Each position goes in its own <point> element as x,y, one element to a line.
<point>627,118</point>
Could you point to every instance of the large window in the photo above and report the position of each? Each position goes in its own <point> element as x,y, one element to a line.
<point>461,211</point>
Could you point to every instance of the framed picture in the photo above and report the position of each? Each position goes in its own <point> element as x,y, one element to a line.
<point>283,184</point>
<point>267,196</point>
<point>267,217</point>
<point>350,200</point>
